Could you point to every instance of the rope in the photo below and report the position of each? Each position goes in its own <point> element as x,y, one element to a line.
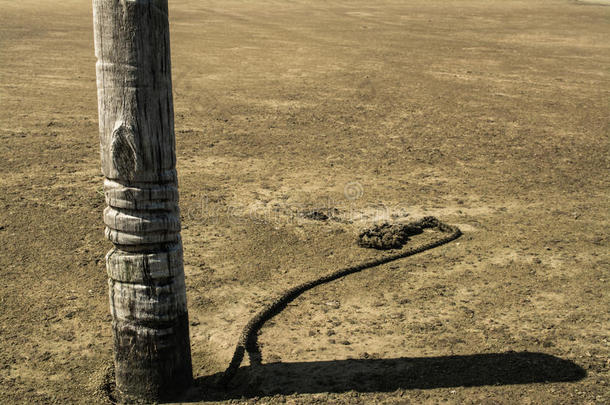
<point>248,340</point>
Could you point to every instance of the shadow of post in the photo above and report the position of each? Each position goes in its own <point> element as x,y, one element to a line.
<point>386,375</point>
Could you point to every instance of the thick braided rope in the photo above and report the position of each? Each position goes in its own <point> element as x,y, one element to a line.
<point>248,340</point>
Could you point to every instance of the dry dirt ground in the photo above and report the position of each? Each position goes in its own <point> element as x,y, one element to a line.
<point>491,115</point>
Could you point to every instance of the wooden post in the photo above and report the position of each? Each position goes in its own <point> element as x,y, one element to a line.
<point>146,276</point>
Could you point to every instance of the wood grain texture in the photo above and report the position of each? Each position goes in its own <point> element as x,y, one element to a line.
<point>145,269</point>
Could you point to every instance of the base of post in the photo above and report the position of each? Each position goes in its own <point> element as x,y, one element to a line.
<point>152,364</point>
<point>152,355</point>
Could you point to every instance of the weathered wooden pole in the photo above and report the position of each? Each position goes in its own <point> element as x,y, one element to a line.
<point>146,276</point>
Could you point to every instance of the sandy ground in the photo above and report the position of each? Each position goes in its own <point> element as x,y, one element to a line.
<point>491,115</point>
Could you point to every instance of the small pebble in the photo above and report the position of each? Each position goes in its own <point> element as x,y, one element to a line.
<point>334,304</point>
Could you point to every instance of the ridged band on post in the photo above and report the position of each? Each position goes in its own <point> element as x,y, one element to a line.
<point>145,269</point>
